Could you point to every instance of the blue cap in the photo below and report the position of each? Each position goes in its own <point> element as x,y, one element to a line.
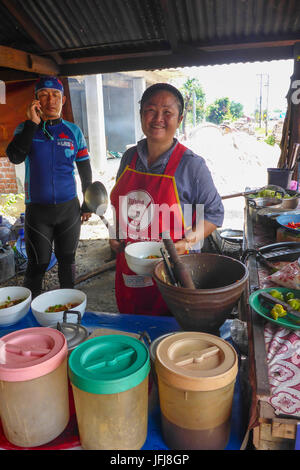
<point>49,82</point>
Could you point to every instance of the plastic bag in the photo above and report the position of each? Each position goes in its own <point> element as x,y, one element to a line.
<point>288,276</point>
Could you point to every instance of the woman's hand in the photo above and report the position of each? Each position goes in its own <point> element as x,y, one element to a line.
<point>193,236</point>
<point>34,111</point>
<point>116,245</point>
<point>182,246</point>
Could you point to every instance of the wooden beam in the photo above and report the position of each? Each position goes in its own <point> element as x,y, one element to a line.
<point>248,45</point>
<point>113,57</point>
<point>11,75</point>
<point>20,60</point>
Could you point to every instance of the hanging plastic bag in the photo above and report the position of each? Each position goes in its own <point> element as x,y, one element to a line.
<point>288,276</point>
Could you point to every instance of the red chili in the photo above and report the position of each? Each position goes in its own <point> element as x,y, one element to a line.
<point>293,225</point>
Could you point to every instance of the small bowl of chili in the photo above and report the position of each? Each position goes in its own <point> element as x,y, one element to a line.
<point>290,222</point>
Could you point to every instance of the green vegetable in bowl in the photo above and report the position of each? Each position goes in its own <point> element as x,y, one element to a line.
<point>289,296</point>
<point>294,303</point>
<point>278,311</point>
<point>10,303</point>
<point>268,193</point>
<point>277,294</point>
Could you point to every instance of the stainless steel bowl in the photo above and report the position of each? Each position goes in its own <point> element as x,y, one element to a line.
<point>292,202</point>
<point>259,203</point>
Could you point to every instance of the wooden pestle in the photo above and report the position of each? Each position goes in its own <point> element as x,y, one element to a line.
<point>181,272</point>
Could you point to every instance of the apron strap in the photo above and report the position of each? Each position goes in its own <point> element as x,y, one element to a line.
<point>175,159</point>
<point>133,161</point>
<point>172,163</point>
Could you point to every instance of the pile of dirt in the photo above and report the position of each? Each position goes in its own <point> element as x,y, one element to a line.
<point>237,161</point>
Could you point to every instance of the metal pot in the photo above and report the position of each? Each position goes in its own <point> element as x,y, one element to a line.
<point>259,203</point>
<point>290,203</point>
<point>267,217</point>
<point>75,333</point>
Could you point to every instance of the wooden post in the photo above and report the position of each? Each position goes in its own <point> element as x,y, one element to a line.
<point>291,127</point>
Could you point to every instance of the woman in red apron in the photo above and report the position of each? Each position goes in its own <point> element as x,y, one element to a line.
<point>137,196</point>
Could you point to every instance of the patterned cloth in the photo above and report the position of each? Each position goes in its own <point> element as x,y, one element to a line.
<point>283,359</point>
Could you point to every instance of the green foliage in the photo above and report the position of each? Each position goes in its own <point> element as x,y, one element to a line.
<point>218,111</point>
<point>191,87</point>
<point>236,110</point>
<point>270,139</point>
<point>8,200</point>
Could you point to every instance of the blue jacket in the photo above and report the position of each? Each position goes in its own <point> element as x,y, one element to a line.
<point>49,166</point>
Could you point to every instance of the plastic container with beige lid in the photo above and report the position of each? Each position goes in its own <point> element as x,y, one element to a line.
<point>196,376</point>
<point>34,400</point>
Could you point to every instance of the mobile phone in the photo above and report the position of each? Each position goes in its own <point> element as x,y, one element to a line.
<point>38,111</point>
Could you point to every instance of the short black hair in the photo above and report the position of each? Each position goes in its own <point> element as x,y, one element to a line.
<point>165,87</point>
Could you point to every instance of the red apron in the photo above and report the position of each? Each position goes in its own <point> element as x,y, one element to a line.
<point>136,198</point>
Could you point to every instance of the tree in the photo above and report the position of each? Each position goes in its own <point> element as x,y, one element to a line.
<point>236,110</point>
<point>192,87</point>
<point>218,111</point>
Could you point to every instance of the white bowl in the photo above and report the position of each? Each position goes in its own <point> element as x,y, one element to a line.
<point>11,315</point>
<point>136,256</point>
<point>40,304</point>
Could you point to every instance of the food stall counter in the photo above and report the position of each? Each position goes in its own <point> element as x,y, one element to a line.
<point>154,327</point>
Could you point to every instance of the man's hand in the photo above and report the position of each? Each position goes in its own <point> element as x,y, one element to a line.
<point>85,216</point>
<point>34,111</point>
<point>116,245</point>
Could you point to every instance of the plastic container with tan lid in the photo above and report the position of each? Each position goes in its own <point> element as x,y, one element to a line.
<point>196,376</point>
<point>34,400</point>
<point>109,377</point>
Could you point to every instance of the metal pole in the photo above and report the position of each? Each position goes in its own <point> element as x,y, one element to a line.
<point>260,98</point>
<point>194,108</point>
<point>267,102</point>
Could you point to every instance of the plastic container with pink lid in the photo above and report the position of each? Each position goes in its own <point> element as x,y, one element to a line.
<point>34,400</point>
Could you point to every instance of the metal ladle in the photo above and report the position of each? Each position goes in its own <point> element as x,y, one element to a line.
<point>96,199</point>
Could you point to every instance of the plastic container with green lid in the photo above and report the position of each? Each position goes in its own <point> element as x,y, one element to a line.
<point>34,400</point>
<point>109,377</point>
<point>196,376</point>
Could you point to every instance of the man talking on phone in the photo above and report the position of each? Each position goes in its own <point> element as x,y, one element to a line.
<point>50,148</point>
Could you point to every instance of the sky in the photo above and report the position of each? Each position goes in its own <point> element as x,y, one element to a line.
<point>241,83</point>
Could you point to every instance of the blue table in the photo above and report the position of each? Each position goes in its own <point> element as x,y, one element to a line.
<point>154,326</point>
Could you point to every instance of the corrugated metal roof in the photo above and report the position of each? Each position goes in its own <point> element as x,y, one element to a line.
<point>11,33</point>
<point>97,36</point>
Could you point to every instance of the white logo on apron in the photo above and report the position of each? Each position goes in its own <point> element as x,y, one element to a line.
<point>137,210</point>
